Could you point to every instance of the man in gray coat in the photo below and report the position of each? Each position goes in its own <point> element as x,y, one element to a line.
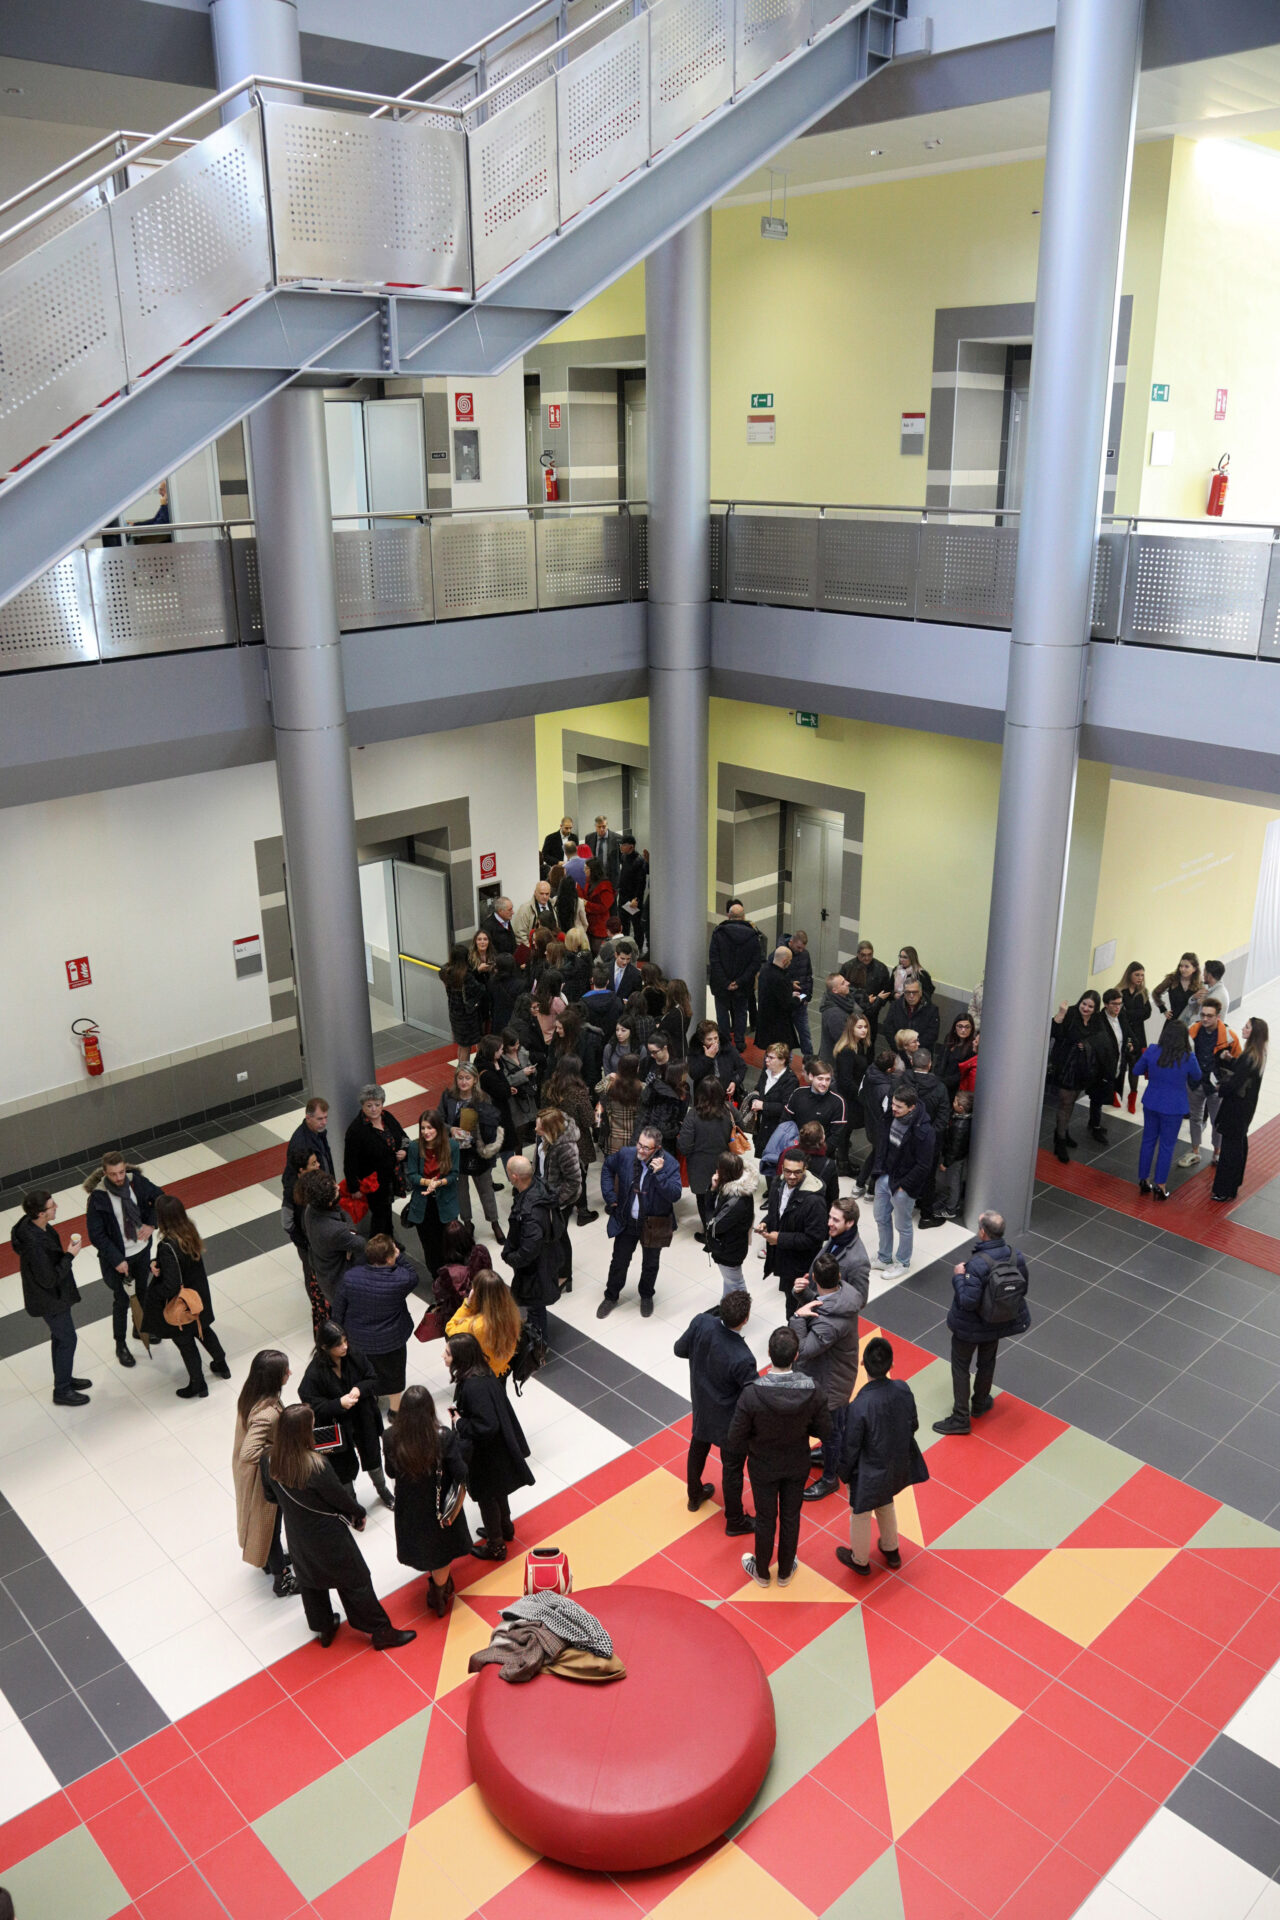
<point>332,1240</point>
<point>826,1325</point>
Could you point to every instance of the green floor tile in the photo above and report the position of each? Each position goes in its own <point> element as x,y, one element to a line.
<point>935,1399</point>
<point>1031,1509</point>
<point>815,1711</point>
<point>70,1878</point>
<point>1088,1465</point>
<point>390,1766</point>
<point>876,1896</point>
<point>841,1652</point>
<point>328,1830</point>
<point>1227,1528</point>
<point>983,1528</point>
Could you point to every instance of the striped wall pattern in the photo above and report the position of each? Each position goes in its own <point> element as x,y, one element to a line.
<point>748,819</point>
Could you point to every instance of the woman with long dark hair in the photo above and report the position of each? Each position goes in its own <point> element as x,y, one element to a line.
<point>567,1089</point>
<point>1073,1064</point>
<point>1239,1082</point>
<point>257,1520</point>
<point>1135,1011</point>
<point>599,903</point>
<point>957,1061</point>
<point>619,1102</point>
<point>557,1162</point>
<point>909,968</point>
<point>320,1515</point>
<point>466,996</point>
<point>570,911</point>
<point>676,1019</point>
<point>487,1425</point>
<point>1168,1066</point>
<point>178,1262</point>
<point>705,1133</point>
<point>1173,995</point>
<point>431,1173</point>
<point>341,1389</point>
<point>429,1465</point>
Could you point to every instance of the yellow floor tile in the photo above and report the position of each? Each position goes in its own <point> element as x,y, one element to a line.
<point>467,1633</point>
<point>730,1882</point>
<point>807,1585</point>
<point>459,1845</point>
<point>1081,1590</point>
<point>931,1731</point>
<point>909,1516</point>
<point>616,1536</point>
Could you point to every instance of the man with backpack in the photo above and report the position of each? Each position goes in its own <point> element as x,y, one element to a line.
<point>990,1305</point>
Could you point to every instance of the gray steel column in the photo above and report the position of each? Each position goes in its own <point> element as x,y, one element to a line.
<point>304,660</point>
<point>678,357</point>
<point>1096,57</point>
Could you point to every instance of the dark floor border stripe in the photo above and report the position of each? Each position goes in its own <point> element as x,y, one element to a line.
<point>612,1389</point>
<point>1243,1772</point>
<point>1221,1815</point>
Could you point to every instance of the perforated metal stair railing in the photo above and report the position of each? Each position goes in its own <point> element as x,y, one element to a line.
<point>443,234</point>
<point>1155,584</point>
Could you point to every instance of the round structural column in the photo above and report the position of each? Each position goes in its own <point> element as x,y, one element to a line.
<point>678,403</point>
<point>1096,58</point>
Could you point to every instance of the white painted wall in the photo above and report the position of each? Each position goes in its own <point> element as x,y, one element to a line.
<point>499,415</point>
<point>154,882</point>
<point>373,906</point>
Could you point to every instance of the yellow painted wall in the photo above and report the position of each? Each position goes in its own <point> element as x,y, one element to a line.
<point>1179,871</point>
<point>622,720</point>
<point>1219,314</point>
<point>618,310</point>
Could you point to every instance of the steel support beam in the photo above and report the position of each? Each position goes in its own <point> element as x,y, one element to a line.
<point>678,351</point>
<point>1092,112</point>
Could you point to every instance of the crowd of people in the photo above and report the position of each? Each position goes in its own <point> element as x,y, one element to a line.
<point>573,1050</point>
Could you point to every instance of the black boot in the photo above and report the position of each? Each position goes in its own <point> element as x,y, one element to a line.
<point>385,1494</point>
<point>123,1355</point>
<point>1060,1148</point>
<point>1071,1140</point>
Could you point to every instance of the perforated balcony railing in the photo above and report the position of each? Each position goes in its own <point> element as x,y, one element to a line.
<point>1155,583</point>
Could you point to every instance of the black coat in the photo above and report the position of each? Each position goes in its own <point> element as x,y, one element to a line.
<point>801,1229</point>
<point>502,936</point>
<point>1106,1049</point>
<point>774,1420</point>
<point>826,1108</point>
<point>910,1163</point>
<point>533,1247</point>
<point>924,1020</point>
<point>421,1541</point>
<point>661,1107</point>
<point>730,1221</point>
<point>554,852</point>
<point>876,1087</point>
<point>575,977</point>
<point>48,1285</point>
<point>321,1544</point>
<point>1073,1058</point>
<point>487,1425</point>
<point>824,1169</point>
<point>361,1426</point>
<point>728,1066</point>
<point>701,1140</point>
<point>177,1269</point>
<point>672,1024</point>
<point>367,1150</point>
<point>880,1456</point>
<point>1135,1013</point>
<point>773,1007</point>
<point>949,1061</point>
<point>100,1222</point>
<point>632,880</point>
<point>468,1004</point>
<point>848,1071</point>
<point>868,986</point>
<point>721,1364</point>
<point>302,1144</point>
<point>934,1097</point>
<point>774,1108</point>
<point>734,954</point>
<point>965,1317</point>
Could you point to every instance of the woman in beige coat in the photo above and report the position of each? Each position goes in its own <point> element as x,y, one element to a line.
<point>257,1521</point>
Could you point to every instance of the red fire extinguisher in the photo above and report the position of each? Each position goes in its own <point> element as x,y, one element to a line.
<point>86,1032</point>
<point>550,484</point>
<point>1218,487</point>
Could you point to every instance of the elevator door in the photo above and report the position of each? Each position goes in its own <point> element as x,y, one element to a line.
<point>817,860</point>
<point>423,934</point>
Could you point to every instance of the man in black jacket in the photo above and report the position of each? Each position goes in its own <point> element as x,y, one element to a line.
<point>774,1019</point>
<point>937,1105</point>
<point>775,1419</point>
<point>558,847</point>
<point>502,935</point>
<point>733,961</point>
<point>49,1290</point>
<point>903,1162</point>
<point>631,890</point>
<point>972,1331</point>
<point>721,1364</point>
<point>816,1101</point>
<point>120,1218</point>
<point>914,1014</point>
<point>871,981</point>
<point>607,848</point>
<point>311,1138</point>
<point>532,1250</point>
<point>795,1223</point>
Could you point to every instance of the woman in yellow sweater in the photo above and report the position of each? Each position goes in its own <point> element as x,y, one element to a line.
<point>490,1313</point>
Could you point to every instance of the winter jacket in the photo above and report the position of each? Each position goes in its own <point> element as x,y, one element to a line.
<point>369,1149</point>
<point>333,1243</point>
<point>774,1421</point>
<point>965,1316</point>
<point>662,1107</point>
<point>558,1167</point>
<point>801,971</point>
<point>445,1196</point>
<point>599,900</point>
<point>853,1261</point>
<point>801,1228</point>
<point>322,1389</point>
<point>303,1142</point>
<point>672,1024</point>
<point>933,1096</point>
<point>575,977</point>
<point>467,1004</point>
<point>620,1116</point>
<point>463,1320</point>
<point>827,1174</point>
<point>876,980</point>
<point>100,1222</point>
<point>633,879</point>
<point>48,1285</point>
<point>774,1103</point>
<point>721,1364</point>
<point>1135,1013</point>
<point>849,1068</point>
<point>829,1339</point>
<point>255,1514</point>
<point>734,954</point>
<point>532,1250</point>
<point>1073,1057</point>
<point>488,1425</point>
<point>731,1218</point>
<point>624,1176</point>
<point>502,934</point>
<point>909,1163</point>
<point>1106,1050</point>
<point>701,1140</point>
<point>880,1456</point>
<point>578,1109</point>
<point>923,1020</point>
<point>834,1015</point>
<point>177,1270</point>
<point>602,1008</point>
<point>728,1066</point>
<point>1226,1046</point>
<point>952,1065</point>
<point>421,1541</point>
<point>773,1003</point>
<point>806,1105</point>
<point>370,1304</point>
<point>1166,1090</point>
<point>487,1138</point>
<point>955,1145</point>
<point>324,1551</point>
<point>521,1077</point>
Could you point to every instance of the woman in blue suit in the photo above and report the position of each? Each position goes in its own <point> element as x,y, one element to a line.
<point>1167,1066</point>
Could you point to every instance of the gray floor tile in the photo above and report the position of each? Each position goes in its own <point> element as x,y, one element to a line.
<point>1166,1268</point>
<point>1162,1442</point>
<point>1267,1313</point>
<point>1247,1374</point>
<point>1106,1240</point>
<point>1255,1340</point>
<point>1031,1375</point>
<point>1143,1293</point>
<point>654,1398</point>
<point>1209,1409</point>
<point>1191,1250</point>
<point>29,1679</point>
<point>68,1740</point>
<point>1229,1294</point>
<point>1052,1221</point>
<point>1232,1822</point>
<point>1244,1773</point>
<point>623,1417</point>
<point>571,1383</point>
<point>1057,1290</point>
<point>900,1311</point>
<point>13,1625</point>
<point>1134,1373</point>
<point>1245,1270</point>
<point>1075,1203</point>
<point>1189,1311</point>
<point>122,1707</point>
<point>1258,1433</point>
<point>1098,1409</point>
<point>1168,1340</point>
<point>1066,1340</point>
<point>1074,1264</point>
<point>80,1647</point>
<point>18,1545</point>
<point>609,1368</point>
<point>41,1592</point>
<point>1238,1479</point>
<point>1107,1313</point>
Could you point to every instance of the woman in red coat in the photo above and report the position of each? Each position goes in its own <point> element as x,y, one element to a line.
<point>599,903</point>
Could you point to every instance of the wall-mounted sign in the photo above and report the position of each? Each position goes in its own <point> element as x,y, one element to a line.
<point>1220,404</point>
<point>78,974</point>
<point>911,433</point>
<point>1104,957</point>
<point>553,415</point>
<point>488,866</point>
<point>466,453</point>
<point>761,400</point>
<point>762,429</point>
<point>807,720</point>
<point>1159,389</point>
<point>1162,447</point>
<point>247,954</point>
<point>464,407</point>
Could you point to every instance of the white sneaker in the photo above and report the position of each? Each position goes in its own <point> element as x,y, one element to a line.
<point>784,1580</point>
<point>881,1266</point>
<point>753,1572</point>
<point>893,1271</point>
<point>1190,1159</point>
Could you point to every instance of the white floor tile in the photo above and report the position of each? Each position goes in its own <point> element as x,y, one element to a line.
<point>1257,1724</point>
<point>181,1164</point>
<point>149,1610</point>
<point>1179,1873</point>
<point>25,1777</point>
<point>98,1563</point>
<point>38,1470</point>
<point>58,1515</point>
<point>191,1518</point>
<point>402,1089</point>
<point>195,1666</point>
<point>1107,1902</point>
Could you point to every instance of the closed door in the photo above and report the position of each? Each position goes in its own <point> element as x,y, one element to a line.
<point>817,858</point>
<point>423,935</point>
<point>636,431</point>
<point>395,455</point>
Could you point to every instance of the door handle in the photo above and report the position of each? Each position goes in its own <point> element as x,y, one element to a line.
<point>825,914</point>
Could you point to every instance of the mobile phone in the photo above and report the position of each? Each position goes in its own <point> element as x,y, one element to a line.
<point>327,1439</point>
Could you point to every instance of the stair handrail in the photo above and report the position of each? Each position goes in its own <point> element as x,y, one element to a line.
<point>553,52</point>
<point>434,79</point>
<point>68,166</point>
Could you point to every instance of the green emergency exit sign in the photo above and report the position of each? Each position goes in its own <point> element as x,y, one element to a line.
<point>1160,390</point>
<point>807,720</point>
<point>762,399</point>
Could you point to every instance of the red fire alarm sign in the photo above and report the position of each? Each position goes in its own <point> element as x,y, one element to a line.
<point>464,407</point>
<point>78,974</point>
<point>488,866</point>
<point>553,415</point>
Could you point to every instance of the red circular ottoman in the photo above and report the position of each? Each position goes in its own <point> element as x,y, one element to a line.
<point>630,1773</point>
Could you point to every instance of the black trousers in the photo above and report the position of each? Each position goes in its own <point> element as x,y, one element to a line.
<point>184,1339</point>
<point>431,1235</point>
<point>277,1559</point>
<point>361,1605</point>
<point>139,1265</point>
<point>495,1514</point>
<point>779,1504</point>
<point>962,1352</point>
<point>623,1248</point>
<point>731,1465</point>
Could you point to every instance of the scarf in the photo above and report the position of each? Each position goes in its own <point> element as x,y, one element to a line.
<point>128,1209</point>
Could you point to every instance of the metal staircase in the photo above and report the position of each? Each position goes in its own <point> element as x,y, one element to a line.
<point>147,308</point>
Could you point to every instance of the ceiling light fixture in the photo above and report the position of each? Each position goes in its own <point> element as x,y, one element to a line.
<point>15,89</point>
<point>931,144</point>
<point>875,152</point>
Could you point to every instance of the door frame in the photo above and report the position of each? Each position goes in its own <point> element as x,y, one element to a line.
<point>735,787</point>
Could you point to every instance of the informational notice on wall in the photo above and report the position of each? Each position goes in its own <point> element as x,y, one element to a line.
<point>553,415</point>
<point>1104,957</point>
<point>78,974</point>
<point>1159,389</point>
<point>1220,404</point>
<point>488,866</point>
<point>911,436</point>
<point>464,407</point>
<point>762,429</point>
<point>247,954</point>
<point>807,720</point>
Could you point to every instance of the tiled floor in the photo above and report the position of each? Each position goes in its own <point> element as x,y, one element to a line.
<point>1036,1713</point>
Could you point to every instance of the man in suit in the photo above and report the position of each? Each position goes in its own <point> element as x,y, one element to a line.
<point>626,974</point>
<point>607,848</point>
<point>558,846</point>
<point>631,890</point>
<point>498,926</point>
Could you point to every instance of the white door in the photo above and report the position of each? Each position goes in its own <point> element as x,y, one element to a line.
<point>348,471</point>
<point>817,860</point>
<point>396,455</point>
<point>423,934</point>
